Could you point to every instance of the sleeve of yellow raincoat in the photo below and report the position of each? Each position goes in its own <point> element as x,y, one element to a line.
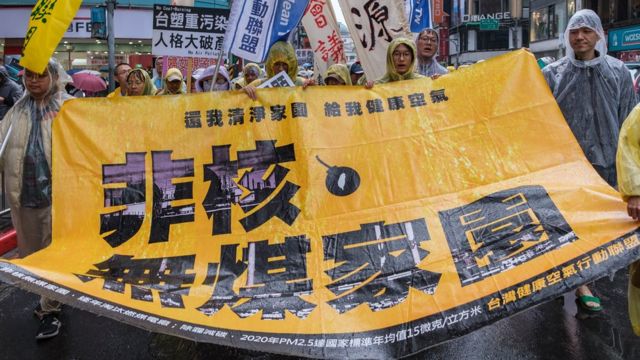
<point>628,156</point>
<point>634,296</point>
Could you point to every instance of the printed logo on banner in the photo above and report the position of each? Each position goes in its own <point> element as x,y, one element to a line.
<point>188,31</point>
<point>503,230</point>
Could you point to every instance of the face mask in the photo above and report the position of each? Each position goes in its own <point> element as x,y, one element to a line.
<point>206,85</point>
<point>221,87</point>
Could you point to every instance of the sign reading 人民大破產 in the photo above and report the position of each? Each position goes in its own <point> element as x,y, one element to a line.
<point>329,222</point>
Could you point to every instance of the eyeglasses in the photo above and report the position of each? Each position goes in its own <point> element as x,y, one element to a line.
<point>428,39</point>
<point>398,54</point>
<point>29,75</point>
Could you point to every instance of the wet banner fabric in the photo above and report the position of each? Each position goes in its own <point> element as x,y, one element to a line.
<point>331,222</point>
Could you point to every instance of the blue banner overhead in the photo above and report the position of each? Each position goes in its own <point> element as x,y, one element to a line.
<point>255,25</point>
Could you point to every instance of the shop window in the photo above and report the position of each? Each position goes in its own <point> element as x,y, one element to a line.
<point>553,22</point>
<point>635,9</point>
<point>548,22</point>
<point>561,20</point>
<point>493,40</point>
<point>571,7</point>
<point>539,24</point>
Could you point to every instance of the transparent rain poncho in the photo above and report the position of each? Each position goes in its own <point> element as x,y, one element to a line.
<point>27,130</point>
<point>430,67</point>
<point>595,96</point>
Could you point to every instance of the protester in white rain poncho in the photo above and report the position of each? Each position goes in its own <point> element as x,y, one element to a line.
<point>26,161</point>
<point>594,91</point>
<point>205,82</point>
<point>427,43</point>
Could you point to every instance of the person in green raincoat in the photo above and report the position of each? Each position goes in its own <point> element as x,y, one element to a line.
<point>401,63</point>
<point>282,57</point>
<point>337,74</point>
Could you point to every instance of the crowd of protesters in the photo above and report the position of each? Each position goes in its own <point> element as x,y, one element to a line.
<point>593,90</point>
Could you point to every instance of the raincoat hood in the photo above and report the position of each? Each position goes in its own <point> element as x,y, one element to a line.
<point>250,67</point>
<point>172,75</point>
<point>431,31</point>
<point>282,52</point>
<point>225,74</point>
<point>586,19</point>
<point>59,80</point>
<point>339,70</point>
<point>430,67</point>
<point>149,88</point>
<point>21,118</point>
<point>3,72</point>
<point>391,74</point>
<point>197,73</point>
<point>207,74</point>
<point>594,96</point>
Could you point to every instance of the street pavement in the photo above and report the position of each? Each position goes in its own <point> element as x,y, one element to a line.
<point>554,330</point>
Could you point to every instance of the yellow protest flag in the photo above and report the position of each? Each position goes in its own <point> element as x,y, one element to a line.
<point>48,22</point>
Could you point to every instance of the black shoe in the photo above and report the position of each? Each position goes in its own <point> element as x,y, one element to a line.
<point>40,313</point>
<point>49,327</point>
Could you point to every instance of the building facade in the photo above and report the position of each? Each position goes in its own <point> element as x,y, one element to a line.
<point>548,21</point>
<point>481,29</point>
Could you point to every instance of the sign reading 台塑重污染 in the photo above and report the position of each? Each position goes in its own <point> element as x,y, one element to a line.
<point>188,31</point>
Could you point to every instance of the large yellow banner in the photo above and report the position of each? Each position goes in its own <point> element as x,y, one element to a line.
<point>330,222</point>
<point>48,22</point>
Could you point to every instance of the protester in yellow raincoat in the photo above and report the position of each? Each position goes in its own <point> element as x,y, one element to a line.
<point>628,170</point>
<point>139,83</point>
<point>282,57</point>
<point>401,63</point>
<point>172,83</point>
<point>250,73</point>
<point>337,74</point>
